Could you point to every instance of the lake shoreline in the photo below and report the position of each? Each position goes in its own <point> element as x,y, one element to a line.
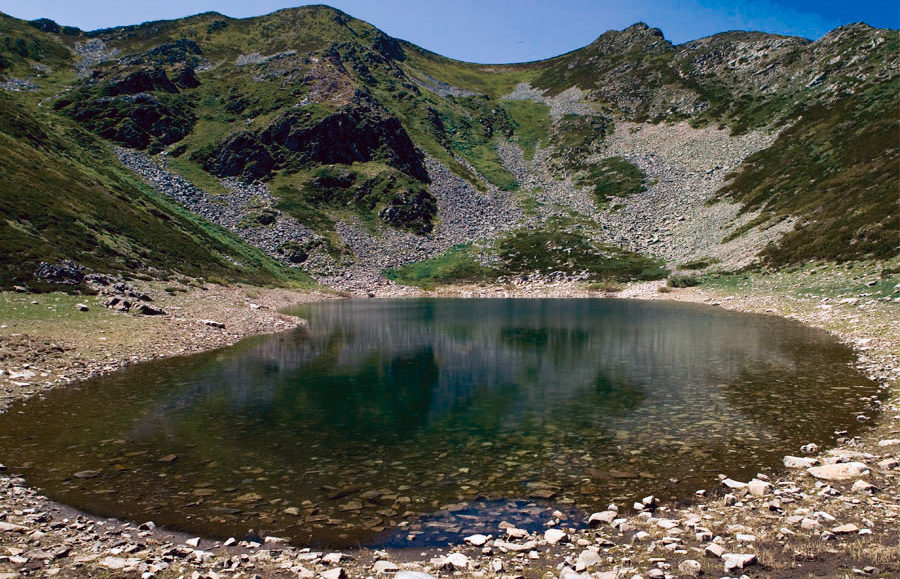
<point>662,538</point>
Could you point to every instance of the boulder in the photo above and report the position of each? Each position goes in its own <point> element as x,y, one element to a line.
<point>381,567</point>
<point>554,536</point>
<point>605,517</point>
<point>148,310</point>
<point>690,568</point>
<point>738,560</point>
<point>759,488</point>
<point>839,471</point>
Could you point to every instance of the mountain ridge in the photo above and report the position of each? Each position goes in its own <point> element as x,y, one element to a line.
<point>336,122</point>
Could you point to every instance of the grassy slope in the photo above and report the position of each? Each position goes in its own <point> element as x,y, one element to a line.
<point>65,196</point>
<point>837,168</point>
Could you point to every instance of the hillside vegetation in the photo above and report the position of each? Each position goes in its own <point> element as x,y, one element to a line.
<point>343,125</point>
<point>65,197</point>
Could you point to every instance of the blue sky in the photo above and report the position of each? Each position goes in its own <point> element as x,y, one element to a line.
<point>504,30</point>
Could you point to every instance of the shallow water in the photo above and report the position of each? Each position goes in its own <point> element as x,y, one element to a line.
<point>416,422</point>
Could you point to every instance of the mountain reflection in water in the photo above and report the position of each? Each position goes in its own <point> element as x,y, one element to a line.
<point>446,415</point>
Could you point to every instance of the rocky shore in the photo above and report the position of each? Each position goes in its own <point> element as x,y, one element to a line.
<point>829,513</point>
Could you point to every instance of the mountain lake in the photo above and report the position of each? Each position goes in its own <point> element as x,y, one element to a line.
<point>416,422</point>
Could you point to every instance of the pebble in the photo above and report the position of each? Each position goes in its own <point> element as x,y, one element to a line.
<point>733,484</point>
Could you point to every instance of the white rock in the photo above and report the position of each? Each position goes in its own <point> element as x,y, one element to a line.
<point>515,533</point>
<point>809,524</point>
<point>413,575</point>
<point>667,523</point>
<point>889,463</point>
<point>333,558</point>
<point>759,488</point>
<point>714,550</point>
<point>840,471</point>
<point>477,540</point>
<point>889,442</point>
<point>733,484</point>
<point>554,536</point>
<point>336,573</point>
<point>515,547</point>
<point>799,462</point>
<point>589,558</point>
<point>385,567</point>
<point>862,486</point>
<point>690,568</point>
<point>118,563</point>
<point>457,561</point>
<point>738,560</point>
<point>606,517</point>
<point>847,529</point>
<point>195,542</point>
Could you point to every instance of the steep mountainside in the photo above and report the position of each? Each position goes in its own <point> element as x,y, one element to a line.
<point>337,149</point>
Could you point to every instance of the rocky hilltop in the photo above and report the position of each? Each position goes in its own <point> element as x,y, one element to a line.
<point>307,143</point>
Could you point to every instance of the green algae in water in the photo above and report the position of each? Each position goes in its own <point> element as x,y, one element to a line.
<point>416,422</point>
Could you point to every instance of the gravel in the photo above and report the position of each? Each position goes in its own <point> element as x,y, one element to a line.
<point>685,167</point>
<point>91,53</point>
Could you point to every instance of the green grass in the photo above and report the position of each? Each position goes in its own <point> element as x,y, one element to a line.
<point>682,280</point>
<point>817,280</point>
<point>495,81</point>
<point>456,265</point>
<point>52,306</point>
<point>550,250</point>
<point>576,139</point>
<point>700,263</point>
<point>532,123</point>
<point>835,169</point>
<point>533,251</point>
<point>612,177</point>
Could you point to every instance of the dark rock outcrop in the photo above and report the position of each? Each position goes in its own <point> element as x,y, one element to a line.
<point>140,81</point>
<point>359,132</point>
<point>64,272</point>
<point>411,210</point>
<point>137,121</point>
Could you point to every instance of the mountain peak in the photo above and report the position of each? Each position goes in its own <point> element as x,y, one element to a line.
<point>638,36</point>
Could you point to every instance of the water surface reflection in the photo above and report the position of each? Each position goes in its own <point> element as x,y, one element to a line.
<point>406,422</point>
